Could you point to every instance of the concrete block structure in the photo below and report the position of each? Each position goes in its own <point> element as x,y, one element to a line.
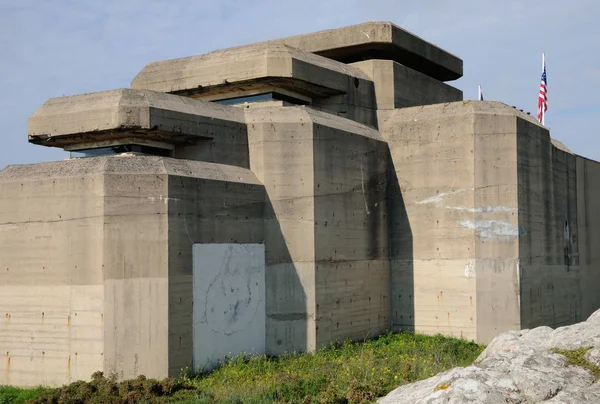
<point>281,196</point>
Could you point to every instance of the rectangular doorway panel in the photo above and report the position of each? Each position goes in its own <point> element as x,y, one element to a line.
<point>229,301</point>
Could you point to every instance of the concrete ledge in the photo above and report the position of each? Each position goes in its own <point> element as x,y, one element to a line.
<point>380,40</point>
<point>124,165</point>
<point>439,111</point>
<point>126,113</point>
<point>303,114</point>
<point>249,68</point>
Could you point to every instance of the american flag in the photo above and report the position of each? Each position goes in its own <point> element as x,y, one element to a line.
<point>543,97</point>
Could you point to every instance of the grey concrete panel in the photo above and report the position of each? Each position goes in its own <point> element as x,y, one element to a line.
<point>229,302</point>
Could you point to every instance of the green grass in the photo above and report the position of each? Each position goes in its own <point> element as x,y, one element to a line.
<point>349,372</point>
<point>576,357</point>
<point>10,395</point>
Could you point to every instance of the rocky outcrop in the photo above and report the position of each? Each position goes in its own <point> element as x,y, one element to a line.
<point>518,367</point>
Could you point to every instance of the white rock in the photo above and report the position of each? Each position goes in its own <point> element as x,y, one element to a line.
<point>594,318</point>
<point>593,356</point>
<point>517,367</point>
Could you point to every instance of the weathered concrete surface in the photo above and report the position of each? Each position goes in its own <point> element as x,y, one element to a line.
<point>325,227</point>
<point>327,85</point>
<point>484,189</point>
<point>398,86</point>
<point>551,292</point>
<point>517,367</point>
<point>248,67</point>
<point>51,283</point>
<point>588,232</point>
<point>559,272</point>
<point>229,302</point>
<point>431,193</point>
<point>207,203</point>
<point>110,263</point>
<point>380,40</point>
<point>125,113</point>
<point>455,262</point>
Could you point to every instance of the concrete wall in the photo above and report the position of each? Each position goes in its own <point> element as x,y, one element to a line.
<point>483,188</point>
<point>559,273</point>
<point>495,219</point>
<point>207,203</point>
<point>51,283</point>
<point>398,86</point>
<point>431,192</point>
<point>455,259</point>
<point>588,232</point>
<point>108,282</point>
<point>326,251</point>
<point>135,258</point>
<point>281,156</point>
<point>351,231</point>
<point>357,103</point>
<point>229,302</point>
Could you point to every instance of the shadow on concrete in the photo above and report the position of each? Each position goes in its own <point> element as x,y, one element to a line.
<point>286,302</point>
<point>401,256</point>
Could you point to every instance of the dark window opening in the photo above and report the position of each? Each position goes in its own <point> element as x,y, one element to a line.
<point>127,148</point>
<point>262,97</point>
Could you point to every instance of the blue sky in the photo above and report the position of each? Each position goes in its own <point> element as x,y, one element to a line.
<point>50,48</point>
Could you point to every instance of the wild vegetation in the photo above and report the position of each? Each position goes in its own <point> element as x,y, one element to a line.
<point>343,373</point>
<point>576,357</point>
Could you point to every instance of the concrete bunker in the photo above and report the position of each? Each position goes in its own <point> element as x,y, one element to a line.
<point>332,186</point>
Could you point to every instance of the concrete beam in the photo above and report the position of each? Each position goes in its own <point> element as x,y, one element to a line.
<point>252,67</point>
<point>380,40</point>
<point>126,113</point>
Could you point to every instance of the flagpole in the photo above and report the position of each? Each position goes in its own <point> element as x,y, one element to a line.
<point>543,68</point>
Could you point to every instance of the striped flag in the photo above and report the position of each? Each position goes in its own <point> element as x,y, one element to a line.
<point>543,96</point>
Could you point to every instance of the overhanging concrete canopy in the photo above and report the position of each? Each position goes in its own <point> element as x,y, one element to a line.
<point>124,114</point>
<point>247,68</point>
<point>380,40</point>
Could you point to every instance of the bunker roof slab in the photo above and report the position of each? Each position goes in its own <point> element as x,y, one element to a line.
<point>380,40</point>
<point>123,113</point>
<point>247,68</point>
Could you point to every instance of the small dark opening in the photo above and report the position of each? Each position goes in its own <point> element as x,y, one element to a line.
<point>118,149</point>
<point>262,97</point>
